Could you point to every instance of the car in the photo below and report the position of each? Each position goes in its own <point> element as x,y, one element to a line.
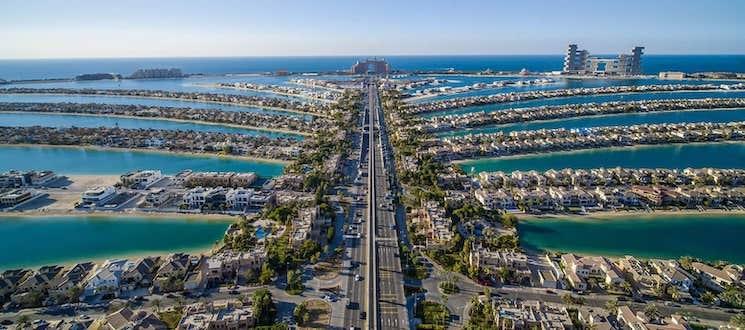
<point>6,322</point>
<point>353,305</point>
<point>363,315</point>
<point>357,277</point>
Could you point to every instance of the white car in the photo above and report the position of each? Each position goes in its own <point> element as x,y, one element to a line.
<point>357,277</point>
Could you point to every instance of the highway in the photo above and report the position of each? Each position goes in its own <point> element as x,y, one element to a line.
<point>359,249</point>
<point>391,302</point>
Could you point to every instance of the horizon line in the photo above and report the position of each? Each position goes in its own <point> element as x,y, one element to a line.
<point>331,56</point>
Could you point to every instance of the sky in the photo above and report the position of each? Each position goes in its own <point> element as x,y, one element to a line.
<point>190,28</point>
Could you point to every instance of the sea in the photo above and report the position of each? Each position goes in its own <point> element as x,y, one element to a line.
<point>79,238</point>
<point>17,69</point>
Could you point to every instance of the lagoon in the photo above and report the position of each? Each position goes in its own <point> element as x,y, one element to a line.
<point>711,237</point>
<point>687,116</point>
<point>44,240</point>
<point>78,160</point>
<point>84,120</point>
<point>721,155</point>
<point>588,99</point>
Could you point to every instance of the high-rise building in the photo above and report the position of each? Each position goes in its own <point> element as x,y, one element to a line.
<point>579,61</point>
<point>374,66</point>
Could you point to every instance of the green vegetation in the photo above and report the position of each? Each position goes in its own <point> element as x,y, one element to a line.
<point>301,313</point>
<point>263,306</point>
<point>570,299</point>
<point>433,315</point>
<point>449,287</point>
<point>733,296</point>
<point>244,239</point>
<point>266,275</point>
<point>481,315</point>
<point>282,214</point>
<point>294,283</point>
<point>413,267</point>
<point>738,321</point>
<point>171,318</point>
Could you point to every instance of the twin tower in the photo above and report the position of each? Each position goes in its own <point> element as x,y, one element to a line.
<point>581,62</point>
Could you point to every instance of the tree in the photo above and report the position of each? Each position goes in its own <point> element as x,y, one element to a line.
<point>652,311</point>
<point>266,275</point>
<point>23,321</point>
<point>738,321</point>
<point>611,306</point>
<point>156,304</point>
<point>264,307</point>
<point>708,298</point>
<point>294,282</point>
<point>301,313</point>
<point>251,276</point>
<point>509,220</point>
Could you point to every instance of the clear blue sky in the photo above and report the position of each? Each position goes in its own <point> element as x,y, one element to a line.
<point>101,28</point>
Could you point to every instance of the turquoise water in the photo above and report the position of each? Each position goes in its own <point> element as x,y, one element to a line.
<point>44,240</point>
<point>88,161</point>
<point>122,100</point>
<point>710,237</point>
<point>691,116</point>
<point>63,120</point>
<point>589,99</point>
<point>725,155</point>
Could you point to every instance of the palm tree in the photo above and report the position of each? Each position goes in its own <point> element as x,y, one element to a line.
<point>156,304</point>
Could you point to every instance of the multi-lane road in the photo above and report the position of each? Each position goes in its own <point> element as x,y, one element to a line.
<point>391,302</point>
<point>374,285</point>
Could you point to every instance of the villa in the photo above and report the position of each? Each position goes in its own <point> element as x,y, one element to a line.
<point>98,195</point>
<point>579,269</point>
<point>141,179</point>
<point>105,279</point>
<point>216,315</point>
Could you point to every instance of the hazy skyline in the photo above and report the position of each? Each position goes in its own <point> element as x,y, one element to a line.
<point>84,28</point>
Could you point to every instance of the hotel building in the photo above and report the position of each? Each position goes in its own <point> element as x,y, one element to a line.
<point>579,61</point>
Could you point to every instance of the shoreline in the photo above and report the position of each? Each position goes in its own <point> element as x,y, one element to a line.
<point>200,122</point>
<point>143,150</point>
<point>497,126</point>
<point>631,214</point>
<point>259,107</point>
<point>613,148</point>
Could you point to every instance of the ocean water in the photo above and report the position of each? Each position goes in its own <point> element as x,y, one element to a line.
<point>123,100</point>
<point>66,160</point>
<point>70,239</point>
<point>722,155</point>
<point>589,99</point>
<point>65,120</point>
<point>67,68</point>
<point>690,116</point>
<point>709,237</point>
